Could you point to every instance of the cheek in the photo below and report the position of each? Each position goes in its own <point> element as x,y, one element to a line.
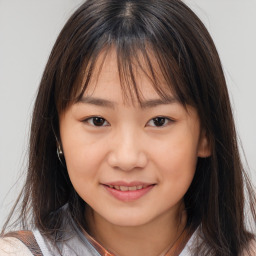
<point>177,153</point>
<point>176,177</point>
<point>84,159</point>
<point>176,159</point>
<point>82,166</point>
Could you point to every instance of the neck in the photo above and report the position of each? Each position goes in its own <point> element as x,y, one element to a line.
<point>156,238</point>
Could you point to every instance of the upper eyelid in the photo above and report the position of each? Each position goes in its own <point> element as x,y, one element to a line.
<point>91,117</point>
<point>168,118</point>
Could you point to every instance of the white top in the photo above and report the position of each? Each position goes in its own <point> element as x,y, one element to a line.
<point>74,242</point>
<point>11,246</point>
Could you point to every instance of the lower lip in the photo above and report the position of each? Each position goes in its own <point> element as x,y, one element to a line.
<point>130,195</point>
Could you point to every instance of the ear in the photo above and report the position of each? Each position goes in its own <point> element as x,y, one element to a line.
<point>204,148</point>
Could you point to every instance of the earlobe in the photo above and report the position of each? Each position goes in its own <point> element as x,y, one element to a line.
<point>204,148</point>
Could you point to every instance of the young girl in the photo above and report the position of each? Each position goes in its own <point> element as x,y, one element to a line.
<point>133,148</point>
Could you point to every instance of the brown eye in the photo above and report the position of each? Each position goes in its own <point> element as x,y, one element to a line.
<point>97,121</point>
<point>159,121</point>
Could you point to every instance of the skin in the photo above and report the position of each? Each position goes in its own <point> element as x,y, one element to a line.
<point>128,147</point>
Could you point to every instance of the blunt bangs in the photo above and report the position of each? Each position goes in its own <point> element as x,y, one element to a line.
<point>136,32</point>
<point>131,59</point>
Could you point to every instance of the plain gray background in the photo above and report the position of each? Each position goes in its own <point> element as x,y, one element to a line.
<point>28,30</point>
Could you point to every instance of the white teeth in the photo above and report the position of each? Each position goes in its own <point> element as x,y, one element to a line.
<point>125,188</point>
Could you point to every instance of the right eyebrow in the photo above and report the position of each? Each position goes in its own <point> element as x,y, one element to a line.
<point>97,102</point>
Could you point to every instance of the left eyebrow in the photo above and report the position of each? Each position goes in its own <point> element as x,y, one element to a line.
<point>156,102</point>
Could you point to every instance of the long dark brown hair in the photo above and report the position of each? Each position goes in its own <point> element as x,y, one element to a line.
<point>171,34</point>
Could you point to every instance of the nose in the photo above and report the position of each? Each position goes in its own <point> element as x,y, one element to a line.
<point>128,152</point>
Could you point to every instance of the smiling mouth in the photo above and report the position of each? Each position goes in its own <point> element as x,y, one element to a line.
<point>127,188</point>
<point>128,192</point>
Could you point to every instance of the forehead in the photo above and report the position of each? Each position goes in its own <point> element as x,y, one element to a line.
<point>128,80</point>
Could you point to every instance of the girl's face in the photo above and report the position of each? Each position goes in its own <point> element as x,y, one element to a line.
<point>131,164</point>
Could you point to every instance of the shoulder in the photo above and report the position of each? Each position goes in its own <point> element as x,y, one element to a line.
<point>13,246</point>
<point>251,251</point>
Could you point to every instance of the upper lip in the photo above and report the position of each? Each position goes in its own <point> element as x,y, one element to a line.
<point>128,184</point>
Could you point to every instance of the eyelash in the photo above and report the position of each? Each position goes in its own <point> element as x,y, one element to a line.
<point>91,121</point>
<point>167,121</point>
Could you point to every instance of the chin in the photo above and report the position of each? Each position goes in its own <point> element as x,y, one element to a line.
<point>128,223</point>
<point>128,220</point>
